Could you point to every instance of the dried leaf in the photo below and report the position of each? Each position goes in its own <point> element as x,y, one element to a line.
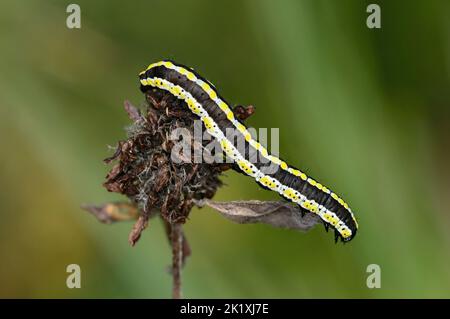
<point>275,213</point>
<point>137,229</point>
<point>132,111</point>
<point>243,112</point>
<point>112,212</point>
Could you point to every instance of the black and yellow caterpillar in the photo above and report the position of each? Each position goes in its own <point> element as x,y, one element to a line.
<point>205,102</point>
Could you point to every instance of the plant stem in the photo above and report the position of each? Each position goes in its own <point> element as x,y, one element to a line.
<point>177,257</point>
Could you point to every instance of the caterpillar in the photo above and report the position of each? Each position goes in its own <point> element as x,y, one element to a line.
<point>203,100</point>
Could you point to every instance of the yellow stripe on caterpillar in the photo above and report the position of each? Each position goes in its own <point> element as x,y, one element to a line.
<point>232,152</point>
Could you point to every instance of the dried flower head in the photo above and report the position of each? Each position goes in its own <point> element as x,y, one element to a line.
<point>144,171</point>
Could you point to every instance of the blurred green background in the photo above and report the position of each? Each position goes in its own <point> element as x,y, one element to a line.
<point>364,111</point>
